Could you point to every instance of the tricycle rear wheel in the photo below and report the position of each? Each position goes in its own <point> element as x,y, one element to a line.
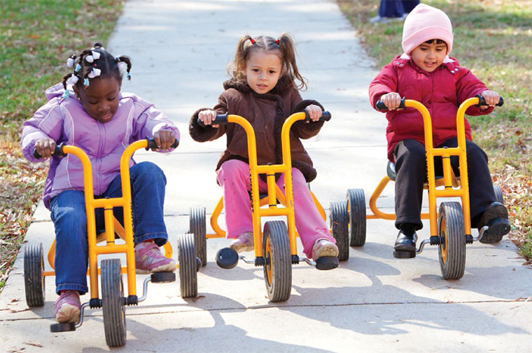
<point>188,276</point>
<point>34,283</point>
<point>356,209</point>
<point>339,228</point>
<point>198,227</point>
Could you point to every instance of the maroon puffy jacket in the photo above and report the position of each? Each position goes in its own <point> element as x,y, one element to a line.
<point>441,92</point>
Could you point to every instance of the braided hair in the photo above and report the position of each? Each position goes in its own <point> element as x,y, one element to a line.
<point>96,60</point>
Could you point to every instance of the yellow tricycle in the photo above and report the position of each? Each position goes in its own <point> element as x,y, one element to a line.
<point>112,299</point>
<point>275,246</point>
<point>450,227</point>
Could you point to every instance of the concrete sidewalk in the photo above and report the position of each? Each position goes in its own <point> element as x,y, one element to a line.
<point>371,303</point>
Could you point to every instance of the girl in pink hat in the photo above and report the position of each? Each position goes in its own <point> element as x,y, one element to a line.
<point>426,73</point>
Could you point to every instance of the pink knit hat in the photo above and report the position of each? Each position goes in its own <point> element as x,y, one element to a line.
<point>425,23</point>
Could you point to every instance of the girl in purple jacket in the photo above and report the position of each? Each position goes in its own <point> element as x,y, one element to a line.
<point>426,73</point>
<point>88,110</point>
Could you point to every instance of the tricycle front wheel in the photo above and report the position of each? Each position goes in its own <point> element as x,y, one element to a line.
<point>452,247</point>
<point>278,266</point>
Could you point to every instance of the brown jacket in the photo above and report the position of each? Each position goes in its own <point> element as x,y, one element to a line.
<point>266,113</point>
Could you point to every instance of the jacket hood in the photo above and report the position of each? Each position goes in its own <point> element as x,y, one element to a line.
<point>55,91</point>
<point>282,85</point>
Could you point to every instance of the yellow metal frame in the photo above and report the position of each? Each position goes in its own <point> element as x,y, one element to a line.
<point>274,194</point>
<point>112,225</point>
<point>451,186</point>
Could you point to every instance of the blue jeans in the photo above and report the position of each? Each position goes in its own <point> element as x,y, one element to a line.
<point>396,8</point>
<point>70,221</point>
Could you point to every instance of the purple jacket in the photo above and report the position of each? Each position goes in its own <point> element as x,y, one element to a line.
<point>65,121</point>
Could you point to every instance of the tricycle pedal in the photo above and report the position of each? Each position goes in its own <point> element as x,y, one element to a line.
<point>163,277</point>
<point>226,258</point>
<point>404,254</point>
<point>63,327</point>
<point>327,263</point>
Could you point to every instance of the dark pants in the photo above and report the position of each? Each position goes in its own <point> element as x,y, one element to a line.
<point>411,174</point>
<point>396,8</point>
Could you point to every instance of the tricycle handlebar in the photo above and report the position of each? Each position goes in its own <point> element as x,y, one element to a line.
<point>58,151</point>
<point>222,118</point>
<point>481,101</point>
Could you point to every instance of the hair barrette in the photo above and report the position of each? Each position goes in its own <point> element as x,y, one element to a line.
<point>95,56</point>
<point>72,80</point>
<point>70,61</point>
<point>252,40</point>
<point>277,41</point>
<point>122,68</point>
<point>94,73</point>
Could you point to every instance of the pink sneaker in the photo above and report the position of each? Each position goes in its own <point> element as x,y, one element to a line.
<point>242,243</point>
<point>149,259</point>
<point>322,248</point>
<point>67,306</point>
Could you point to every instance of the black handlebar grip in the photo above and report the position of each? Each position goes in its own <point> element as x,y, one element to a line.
<point>58,152</point>
<point>325,116</point>
<point>220,119</point>
<point>382,107</point>
<point>153,146</point>
<point>482,101</point>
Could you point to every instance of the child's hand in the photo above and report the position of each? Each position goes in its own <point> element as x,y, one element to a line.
<point>314,112</point>
<point>391,100</point>
<point>207,116</point>
<point>164,139</point>
<point>491,98</point>
<point>45,147</point>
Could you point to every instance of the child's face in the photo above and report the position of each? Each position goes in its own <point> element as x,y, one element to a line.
<point>263,70</point>
<point>100,99</point>
<point>429,57</point>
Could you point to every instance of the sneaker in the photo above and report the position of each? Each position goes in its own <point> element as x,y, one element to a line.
<point>322,248</point>
<point>67,306</point>
<point>242,243</point>
<point>149,259</point>
<point>378,19</point>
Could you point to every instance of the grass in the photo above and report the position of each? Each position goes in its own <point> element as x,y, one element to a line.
<point>36,38</point>
<point>491,38</point>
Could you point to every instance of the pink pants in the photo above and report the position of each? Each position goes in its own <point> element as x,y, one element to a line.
<point>233,176</point>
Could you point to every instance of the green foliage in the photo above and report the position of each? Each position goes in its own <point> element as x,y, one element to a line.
<point>36,38</point>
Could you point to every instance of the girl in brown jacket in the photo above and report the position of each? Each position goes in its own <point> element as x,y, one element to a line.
<point>263,91</point>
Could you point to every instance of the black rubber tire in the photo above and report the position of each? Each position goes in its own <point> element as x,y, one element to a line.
<point>356,209</point>
<point>113,303</point>
<point>340,228</point>
<point>198,227</point>
<point>498,194</point>
<point>188,275</point>
<point>278,267</point>
<point>34,283</point>
<point>452,249</point>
